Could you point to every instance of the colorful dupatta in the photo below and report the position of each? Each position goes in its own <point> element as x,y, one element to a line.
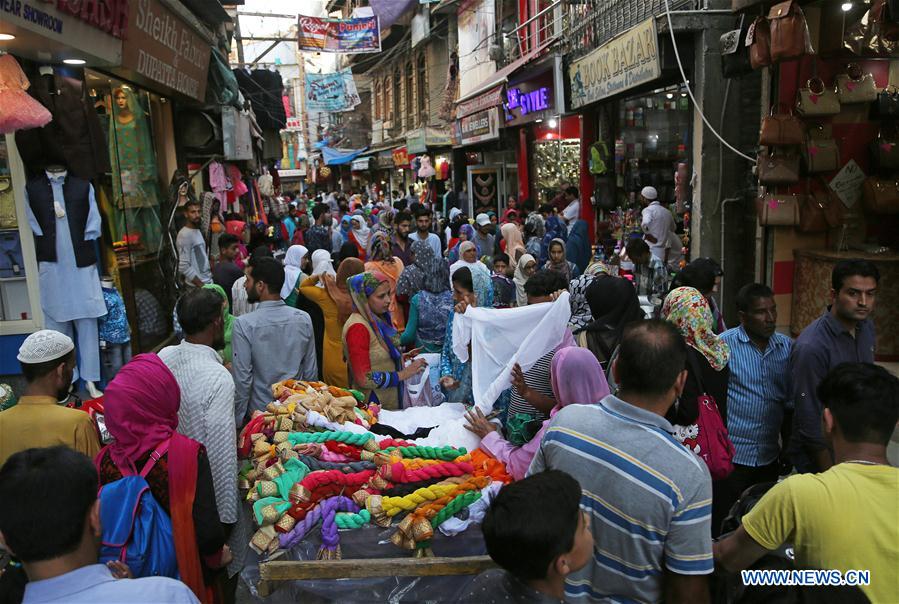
<point>361,287</point>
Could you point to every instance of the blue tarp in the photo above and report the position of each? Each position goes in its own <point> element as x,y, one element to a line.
<point>336,157</point>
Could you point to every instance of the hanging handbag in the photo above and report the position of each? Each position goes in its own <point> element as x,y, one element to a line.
<point>779,129</point>
<point>886,151</point>
<point>855,86</point>
<point>881,196</point>
<point>778,167</point>
<point>708,437</point>
<point>874,34</point>
<point>734,54</point>
<point>758,40</point>
<point>820,210</point>
<point>888,102</point>
<point>776,209</point>
<point>821,152</point>
<point>816,100</point>
<point>789,32</point>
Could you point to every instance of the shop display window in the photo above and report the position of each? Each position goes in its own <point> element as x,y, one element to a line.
<point>15,301</point>
<point>556,162</point>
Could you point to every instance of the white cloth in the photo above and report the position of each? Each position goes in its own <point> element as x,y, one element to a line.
<point>572,212</point>
<point>240,304</point>
<point>658,222</point>
<point>322,265</point>
<point>292,261</point>
<point>207,415</point>
<point>502,337</point>
<point>363,233</point>
<point>476,511</point>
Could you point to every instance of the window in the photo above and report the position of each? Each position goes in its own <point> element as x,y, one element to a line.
<point>407,110</point>
<point>422,91</point>
<point>397,94</point>
<point>377,101</point>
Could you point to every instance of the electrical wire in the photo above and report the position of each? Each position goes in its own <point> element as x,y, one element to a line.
<point>683,75</point>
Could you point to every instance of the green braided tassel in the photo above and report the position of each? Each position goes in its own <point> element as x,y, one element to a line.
<point>350,438</point>
<point>446,453</point>
<point>348,520</point>
<point>455,506</point>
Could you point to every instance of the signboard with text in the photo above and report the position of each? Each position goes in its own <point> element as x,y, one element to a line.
<point>359,35</point>
<point>400,157</point>
<point>331,91</point>
<point>162,48</point>
<point>625,62</point>
<point>479,127</point>
<point>527,100</point>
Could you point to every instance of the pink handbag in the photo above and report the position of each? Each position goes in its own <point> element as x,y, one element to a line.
<point>712,442</point>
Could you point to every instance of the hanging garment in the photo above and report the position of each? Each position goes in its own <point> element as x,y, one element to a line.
<point>501,338</point>
<point>218,182</point>
<point>113,327</point>
<point>18,111</point>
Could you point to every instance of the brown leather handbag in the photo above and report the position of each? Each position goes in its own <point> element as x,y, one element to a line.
<point>758,39</point>
<point>820,210</point>
<point>881,196</point>
<point>779,129</point>
<point>821,152</point>
<point>778,166</point>
<point>789,32</point>
<point>776,209</point>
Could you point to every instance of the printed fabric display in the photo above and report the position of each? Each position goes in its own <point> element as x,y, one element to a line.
<point>18,111</point>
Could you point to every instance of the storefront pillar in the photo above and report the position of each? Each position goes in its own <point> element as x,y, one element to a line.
<point>524,172</point>
<point>587,124</point>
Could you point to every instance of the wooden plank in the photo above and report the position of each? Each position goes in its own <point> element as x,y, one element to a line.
<point>381,567</point>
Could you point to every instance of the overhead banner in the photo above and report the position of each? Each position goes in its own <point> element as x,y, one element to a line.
<point>627,61</point>
<point>331,91</point>
<point>339,35</point>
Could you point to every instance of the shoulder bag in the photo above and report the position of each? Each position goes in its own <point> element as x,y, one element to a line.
<point>778,166</point>
<point>779,129</point>
<point>886,151</point>
<point>789,32</point>
<point>888,102</point>
<point>758,39</point>
<point>778,209</point>
<point>820,210</point>
<point>816,100</point>
<point>855,86</point>
<point>734,53</point>
<point>881,196</point>
<point>821,152</point>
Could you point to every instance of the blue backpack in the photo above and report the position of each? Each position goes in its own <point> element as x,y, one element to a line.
<point>136,529</point>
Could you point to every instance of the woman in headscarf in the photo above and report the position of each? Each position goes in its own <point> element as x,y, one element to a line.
<point>514,243</point>
<point>427,282</point>
<point>455,375</point>
<point>526,268</point>
<point>480,276</point>
<point>346,225</point>
<point>360,235</point>
<point>558,263</point>
<point>239,229</point>
<point>382,260</point>
<point>613,304</point>
<point>577,379</point>
<point>141,413</point>
<point>329,292</point>
<point>294,261</point>
<point>580,308</point>
<point>577,249</point>
<point>466,233</point>
<point>534,230</point>
<point>371,343</point>
<point>708,354</point>
<point>228,318</point>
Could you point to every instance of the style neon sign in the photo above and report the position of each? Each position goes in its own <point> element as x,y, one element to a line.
<point>527,102</point>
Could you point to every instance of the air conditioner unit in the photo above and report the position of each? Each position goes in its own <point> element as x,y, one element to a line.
<point>495,52</point>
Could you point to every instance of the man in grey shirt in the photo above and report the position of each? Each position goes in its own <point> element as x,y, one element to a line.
<point>650,498</point>
<point>272,343</point>
<point>193,261</point>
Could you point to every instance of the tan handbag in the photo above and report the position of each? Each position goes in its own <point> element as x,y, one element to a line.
<point>820,210</point>
<point>789,32</point>
<point>776,209</point>
<point>779,129</point>
<point>758,39</point>
<point>816,100</point>
<point>855,86</point>
<point>778,166</point>
<point>821,152</point>
<point>881,196</point>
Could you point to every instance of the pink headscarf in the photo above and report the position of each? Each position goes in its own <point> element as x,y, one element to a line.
<point>577,378</point>
<point>141,405</point>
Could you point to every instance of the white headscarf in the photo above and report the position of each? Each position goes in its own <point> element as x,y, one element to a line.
<point>292,261</point>
<point>321,265</point>
<point>520,279</point>
<point>362,235</point>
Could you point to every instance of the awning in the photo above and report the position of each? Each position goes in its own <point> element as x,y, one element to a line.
<point>337,157</point>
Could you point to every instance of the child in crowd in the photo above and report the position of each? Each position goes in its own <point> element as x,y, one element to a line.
<point>536,531</point>
<point>503,287</point>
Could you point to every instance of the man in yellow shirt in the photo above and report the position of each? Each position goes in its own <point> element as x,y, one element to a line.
<point>48,361</point>
<point>846,518</point>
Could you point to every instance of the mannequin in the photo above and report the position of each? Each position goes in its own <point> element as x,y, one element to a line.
<point>63,215</point>
<point>134,171</point>
<point>115,335</point>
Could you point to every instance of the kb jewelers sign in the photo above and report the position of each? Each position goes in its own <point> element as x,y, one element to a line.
<point>162,48</point>
<point>627,61</point>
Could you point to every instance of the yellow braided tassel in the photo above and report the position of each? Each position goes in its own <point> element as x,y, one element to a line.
<point>394,505</point>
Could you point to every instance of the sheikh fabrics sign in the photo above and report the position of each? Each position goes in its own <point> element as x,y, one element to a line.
<point>331,91</point>
<point>339,35</point>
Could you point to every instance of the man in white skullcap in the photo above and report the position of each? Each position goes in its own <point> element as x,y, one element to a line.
<point>658,224</point>
<point>48,361</point>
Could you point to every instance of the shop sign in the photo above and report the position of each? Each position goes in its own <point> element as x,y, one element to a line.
<point>525,101</point>
<point>400,157</point>
<point>480,126</point>
<point>415,141</point>
<point>361,163</point>
<point>73,24</point>
<point>328,92</point>
<point>491,98</point>
<point>339,35</point>
<point>385,160</point>
<point>294,124</point>
<point>163,49</point>
<point>437,138</point>
<point>625,62</point>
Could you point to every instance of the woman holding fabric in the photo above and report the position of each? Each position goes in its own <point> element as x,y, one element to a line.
<point>526,268</point>
<point>432,301</point>
<point>381,260</point>
<point>330,293</point>
<point>371,343</point>
<point>480,276</point>
<point>577,379</point>
<point>229,321</point>
<point>455,375</point>
<point>142,404</point>
<point>558,263</point>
